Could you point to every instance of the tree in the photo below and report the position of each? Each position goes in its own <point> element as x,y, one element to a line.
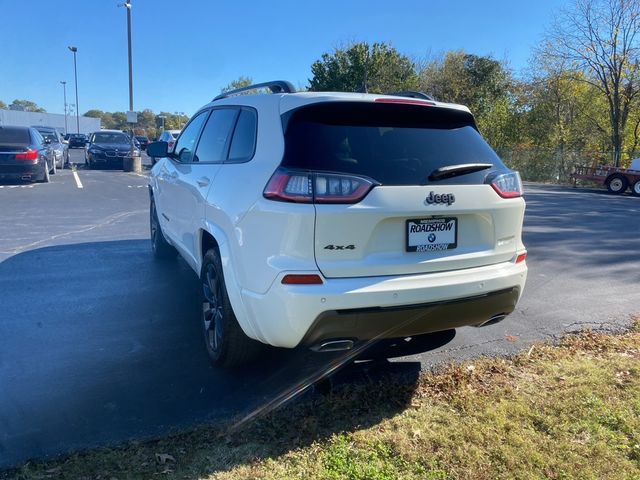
<point>599,38</point>
<point>360,67</point>
<point>3,105</point>
<point>239,82</point>
<point>28,106</point>
<point>483,84</point>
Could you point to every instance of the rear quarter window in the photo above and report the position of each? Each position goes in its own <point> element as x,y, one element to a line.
<point>390,143</point>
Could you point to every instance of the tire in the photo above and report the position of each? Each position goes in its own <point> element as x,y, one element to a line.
<point>227,345</point>
<point>617,184</point>
<point>162,250</point>
<point>54,169</point>
<point>635,189</point>
<point>45,177</point>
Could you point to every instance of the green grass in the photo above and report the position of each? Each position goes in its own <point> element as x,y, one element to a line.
<point>556,412</point>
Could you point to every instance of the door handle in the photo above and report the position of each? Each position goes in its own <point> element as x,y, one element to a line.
<point>203,181</point>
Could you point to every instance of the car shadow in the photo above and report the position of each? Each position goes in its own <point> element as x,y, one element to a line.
<point>101,344</point>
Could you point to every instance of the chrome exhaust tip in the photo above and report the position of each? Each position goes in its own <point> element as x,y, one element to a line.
<point>333,346</point>
<point>493,320</point>
<point>25,177</point>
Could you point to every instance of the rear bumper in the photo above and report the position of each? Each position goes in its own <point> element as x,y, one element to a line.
<point>17,172</point>
<point>382,307</point>
<point>405,321</point>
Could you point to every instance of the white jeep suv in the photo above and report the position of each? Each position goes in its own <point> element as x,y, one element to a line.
<point>329,219</point>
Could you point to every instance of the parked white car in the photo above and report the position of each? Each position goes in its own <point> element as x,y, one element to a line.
<point>329,219</point>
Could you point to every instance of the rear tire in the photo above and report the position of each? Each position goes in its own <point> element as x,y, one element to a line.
<point>617,184</point>
<point>227,345</point>
<point>636,189</point>
<point>162,250</point>
<point>54,169</point>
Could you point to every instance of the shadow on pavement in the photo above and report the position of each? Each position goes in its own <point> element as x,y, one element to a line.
<point>100,344</point>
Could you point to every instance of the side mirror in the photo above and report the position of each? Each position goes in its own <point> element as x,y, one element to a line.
<point>158,149</point>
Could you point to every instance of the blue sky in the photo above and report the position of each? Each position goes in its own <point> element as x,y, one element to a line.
<point>186,50</point>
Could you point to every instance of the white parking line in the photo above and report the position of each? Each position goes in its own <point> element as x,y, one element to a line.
<point>78,182</point>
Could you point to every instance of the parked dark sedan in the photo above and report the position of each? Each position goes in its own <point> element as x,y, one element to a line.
<point>24,155</point>
<point>143,141</point>
<point>108,148</point>
<point>77,140</point>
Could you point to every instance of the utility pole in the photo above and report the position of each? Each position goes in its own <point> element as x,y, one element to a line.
<point>64,89</point>
<point>74,50</point>
<point>132,117</point>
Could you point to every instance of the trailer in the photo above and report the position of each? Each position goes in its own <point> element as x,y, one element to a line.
<point>616,179</point>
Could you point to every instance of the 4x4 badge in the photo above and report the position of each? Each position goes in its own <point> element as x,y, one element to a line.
<point>443,198</point>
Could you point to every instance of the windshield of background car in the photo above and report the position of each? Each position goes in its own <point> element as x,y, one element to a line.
<point>14,135</point>
<point>394,144</point>
<point>115,138</point>
<point>175,135</point>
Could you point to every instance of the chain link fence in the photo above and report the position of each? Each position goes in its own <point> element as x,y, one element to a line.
<point>553,166</point>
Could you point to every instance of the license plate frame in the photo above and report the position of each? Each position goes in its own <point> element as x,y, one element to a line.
<point>430,246</point>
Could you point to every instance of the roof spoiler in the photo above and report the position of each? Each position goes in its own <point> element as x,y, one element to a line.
<point>412,94</point>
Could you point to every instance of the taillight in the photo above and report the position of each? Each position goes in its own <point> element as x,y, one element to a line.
<point>508,185</point>
<point>316,187</point>
<point>521,257</point>
<point>405,101</point>
<point>170,146</point>
<point>28,155</point>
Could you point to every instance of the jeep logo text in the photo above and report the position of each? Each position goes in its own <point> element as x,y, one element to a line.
<point>444,198</point>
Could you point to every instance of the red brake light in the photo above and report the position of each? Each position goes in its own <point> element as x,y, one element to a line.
<point>408,101</point>
<point>28,155</point>
<point>316,187</point>
<point>508,185</point>
<point>301,279</point>
<point>521,258</point>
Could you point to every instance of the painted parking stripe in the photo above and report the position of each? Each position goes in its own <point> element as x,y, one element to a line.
<point>78,182</point>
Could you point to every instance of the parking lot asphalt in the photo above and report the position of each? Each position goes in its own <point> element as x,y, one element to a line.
<point>100,344</point>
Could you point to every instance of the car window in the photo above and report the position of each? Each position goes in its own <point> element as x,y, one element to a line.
<point>114,138</point>
<point>215,136</point>
<point>393,144</point>
<point>186,144</point>
<point>14,135</point>
<point>244,136</point>
<point>174,135</point>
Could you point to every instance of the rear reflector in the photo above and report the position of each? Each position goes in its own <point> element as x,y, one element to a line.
<point>295,279</point>
<point>521,258</point>
<point>508,185</point>
<point>28,155</point>
<point>316,187</point>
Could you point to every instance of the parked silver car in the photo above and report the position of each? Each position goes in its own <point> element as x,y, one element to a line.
<point>60,150</point>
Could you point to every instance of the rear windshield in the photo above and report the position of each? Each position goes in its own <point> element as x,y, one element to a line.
<point>15,135</point>
<point>393,144</point>
<point>47,135</point>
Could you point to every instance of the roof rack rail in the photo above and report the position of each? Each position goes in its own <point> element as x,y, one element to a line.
<point>276,86</point>
<point>412,94</point>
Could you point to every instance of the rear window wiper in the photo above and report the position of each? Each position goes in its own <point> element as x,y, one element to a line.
<point>455,170</point>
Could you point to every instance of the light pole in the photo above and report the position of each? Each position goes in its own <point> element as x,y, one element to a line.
<point>64,89</point>
<point>162,117</point>
<point>74,50</point>
<point>131,116</point>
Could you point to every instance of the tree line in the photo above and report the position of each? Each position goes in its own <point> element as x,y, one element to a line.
<point>577,102</point>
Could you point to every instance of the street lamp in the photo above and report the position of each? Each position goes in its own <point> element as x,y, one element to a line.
<point>131,116</point>
<point>64,89</point>
<point>74,50</point>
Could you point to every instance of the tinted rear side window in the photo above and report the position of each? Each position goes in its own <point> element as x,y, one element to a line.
<point>215,136</point>
<point>393,144</point>
<point>18,136</point>
<point>244,137</point>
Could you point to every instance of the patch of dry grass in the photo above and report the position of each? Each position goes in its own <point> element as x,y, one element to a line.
<point>565,411</point>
